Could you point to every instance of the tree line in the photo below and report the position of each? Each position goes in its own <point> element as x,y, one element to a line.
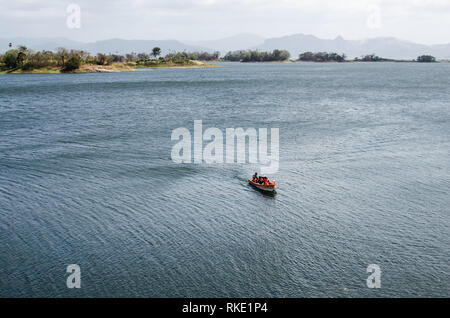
<point>70,60</point>
<point>426,59</point>
<point>321,57</point>
<point>257,56</point>
<point>196,56</point>
<point>371,58</point>
<point>335,57</point>
<point>66,60</point>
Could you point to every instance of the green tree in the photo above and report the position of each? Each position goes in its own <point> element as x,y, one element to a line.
<point>21,55</point>
<point>143,56</point>
<point>10,59</point>
<point>156,52</point>
<point>322,57</point>
<point>256,56</point>
<point>72,64</point>
<point>426,59</point>
<point>101,59</point>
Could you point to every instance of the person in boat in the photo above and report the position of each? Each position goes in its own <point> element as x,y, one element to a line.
<point>255,177</point>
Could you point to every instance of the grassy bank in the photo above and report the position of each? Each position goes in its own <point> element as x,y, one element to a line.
<point>85,68</point>
<point>111,68</point>
<point>25,61</point>
<point>182,63</point>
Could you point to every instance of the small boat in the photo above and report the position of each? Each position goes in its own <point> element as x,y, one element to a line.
<point>262,187</point>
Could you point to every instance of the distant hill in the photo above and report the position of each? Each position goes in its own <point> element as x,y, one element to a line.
<point>387,47</point>
<point>126,46</point>
<point>232,43</point>
<point>39,44</point>
<point>114,46</point>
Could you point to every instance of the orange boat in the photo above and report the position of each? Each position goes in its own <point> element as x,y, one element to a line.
<point>270,187</point>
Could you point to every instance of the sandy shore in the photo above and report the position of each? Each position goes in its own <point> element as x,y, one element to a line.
<point>113,68</point>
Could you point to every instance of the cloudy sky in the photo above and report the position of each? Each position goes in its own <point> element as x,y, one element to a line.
<point>423,21</point>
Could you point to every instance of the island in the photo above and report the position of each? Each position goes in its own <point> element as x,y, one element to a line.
<point>321,57</point>
<point>24,60</point>
<point>257,56</point>
<point>245,56</point>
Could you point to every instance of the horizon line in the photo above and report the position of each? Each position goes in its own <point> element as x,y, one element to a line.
<point>222,38</point>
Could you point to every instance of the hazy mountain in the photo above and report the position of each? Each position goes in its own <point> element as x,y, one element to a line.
<point>388,47</point>
<point>126,46</point>
<point>117,46</point>
<point>232,43</point>
<point>39,44</point>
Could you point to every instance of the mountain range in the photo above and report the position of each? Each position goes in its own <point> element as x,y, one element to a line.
<point>388,47</point>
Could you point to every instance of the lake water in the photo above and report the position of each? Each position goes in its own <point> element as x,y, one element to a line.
<point>86,178</point>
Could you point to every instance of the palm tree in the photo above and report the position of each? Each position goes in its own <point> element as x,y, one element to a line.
<point>156,51</point>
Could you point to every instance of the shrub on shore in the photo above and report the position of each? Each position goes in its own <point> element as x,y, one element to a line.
<point>426,59</point>
<point>257,56</point>
<point>370,58</point>
<point>195,56</point>
<point>23,59</point>
<point>72,64</point>
<point>9,59</point>
<point>321,57</point>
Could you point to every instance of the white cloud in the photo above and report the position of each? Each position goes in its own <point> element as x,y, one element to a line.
<point>416,20</point>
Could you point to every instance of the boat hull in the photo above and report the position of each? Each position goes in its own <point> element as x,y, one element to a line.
<point>268,188</point>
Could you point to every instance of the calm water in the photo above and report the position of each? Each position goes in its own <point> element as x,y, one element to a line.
<point>86,178</point>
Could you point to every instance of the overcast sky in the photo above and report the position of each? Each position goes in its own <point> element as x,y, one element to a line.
<point>423,21</point>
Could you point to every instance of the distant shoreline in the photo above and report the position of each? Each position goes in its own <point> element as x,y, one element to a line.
<point>25,61</point>
<point>118,67</point>
<point>191,64</point>
<point>124,68</point>
<point>121,67</point>
<point>112,68</point>
<point>343,62</point>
